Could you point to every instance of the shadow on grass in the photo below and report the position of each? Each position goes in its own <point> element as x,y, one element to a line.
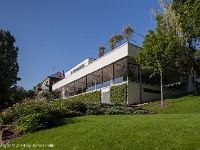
<point>65,121</point>
<point>177,98</point>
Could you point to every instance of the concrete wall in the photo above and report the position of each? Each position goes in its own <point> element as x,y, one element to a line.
<point>148,93</point>
<point>133,93</point>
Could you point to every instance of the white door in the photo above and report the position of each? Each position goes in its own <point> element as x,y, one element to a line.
<point>106,97</point>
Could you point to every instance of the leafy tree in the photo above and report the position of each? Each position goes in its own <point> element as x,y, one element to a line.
<point>18,94</point>
<point>189,20</point>
<point>127,32</point>
<point>188,12</point>
<point>101,51</point>
<point>30,94</point>
<point>116,38</point>
<point>158,53</point>
<point>8,66</point>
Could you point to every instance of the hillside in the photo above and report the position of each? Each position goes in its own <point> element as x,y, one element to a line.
<point>177,105</point>
<point>176,128</point>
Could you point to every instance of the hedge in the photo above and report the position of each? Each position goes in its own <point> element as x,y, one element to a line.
<point>90,97</point>
<point>118,94</point>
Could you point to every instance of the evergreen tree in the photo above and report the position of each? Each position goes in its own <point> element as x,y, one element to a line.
<point>8,67</point>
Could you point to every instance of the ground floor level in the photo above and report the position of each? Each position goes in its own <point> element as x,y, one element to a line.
<point>140,87</point>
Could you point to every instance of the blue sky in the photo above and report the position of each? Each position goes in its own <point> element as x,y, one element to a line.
<point>62,33</point>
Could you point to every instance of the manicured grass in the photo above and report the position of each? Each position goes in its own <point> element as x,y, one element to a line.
<point>178,105</point>
<point>176,126</point>
<point>107,132</point>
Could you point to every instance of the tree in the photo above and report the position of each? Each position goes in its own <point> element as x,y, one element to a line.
<point>116,38</point>
<point>30,94</point>
<point>158,53</point>
<point>188,12</point>
<point>189,20</point>
<point>127,32</point>
<point>101,51</point>
<point>18,94</point>
<point>8,66</point>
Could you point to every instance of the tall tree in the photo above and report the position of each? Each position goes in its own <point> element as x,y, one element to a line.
<point>8,66</point>
<point>101,51</point>
<point>116,38</point>
<point>188,12</point>
<point>127,32</point>
<point>182,16</point>
<point>189,20</point>
<point>158,53</point>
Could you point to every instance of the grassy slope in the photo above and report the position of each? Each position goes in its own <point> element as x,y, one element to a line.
<point>179,105</point>
<point>178,128</point>
<point>122,132</point>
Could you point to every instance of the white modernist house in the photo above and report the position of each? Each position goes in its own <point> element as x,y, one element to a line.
<point>114,68</point>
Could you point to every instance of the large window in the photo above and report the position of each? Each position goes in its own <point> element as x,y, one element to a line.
<point>133,71</point>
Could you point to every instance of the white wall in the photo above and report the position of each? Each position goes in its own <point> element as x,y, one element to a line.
<point>86,62</point>
<point>105,95</point>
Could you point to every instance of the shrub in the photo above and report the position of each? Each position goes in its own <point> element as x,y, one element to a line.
<point>109,109</point>
<point>114,111</point>
<point>95,109</point>
<point>140,112</point>
<point>6,116</point>
<point>22,109</point>
<point>90,97</point>
<point>35,121</point>
<point>48,96</point>
<point>118,94</point>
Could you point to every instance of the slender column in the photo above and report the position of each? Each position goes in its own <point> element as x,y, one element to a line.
<point>113,73</point>
<point>127,68</point>
<point>74,88</point>
<point>102,77</point>
<point>86,82</point>
<point>140,84</point>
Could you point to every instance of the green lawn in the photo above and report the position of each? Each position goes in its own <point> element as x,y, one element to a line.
<point>178,128</point>
<point>178,105</point>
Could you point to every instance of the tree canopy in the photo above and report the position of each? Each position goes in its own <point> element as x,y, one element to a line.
<point>101,51</point>
<point>116,38</point>
<point>158,53</point>
<point>189,20</point>
<point>127,32</point>
<point>8,66</point>
<point>187,13</point>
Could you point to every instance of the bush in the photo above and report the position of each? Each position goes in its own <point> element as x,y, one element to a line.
<point>90,97</point>
<point>114,111</point>
<point>22,109</point>
<point>95,109</point>
<point>6,116</point>
<point>140,112</point>
<point>118,94</point>
<point>35,121</point>
<point>109,109</point>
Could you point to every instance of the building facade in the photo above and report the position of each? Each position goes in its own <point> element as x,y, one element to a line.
<point>46,84</point>
<point>114,68</point>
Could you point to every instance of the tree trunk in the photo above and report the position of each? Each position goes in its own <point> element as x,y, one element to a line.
<point>161,88</point>
<point>194,80</point>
